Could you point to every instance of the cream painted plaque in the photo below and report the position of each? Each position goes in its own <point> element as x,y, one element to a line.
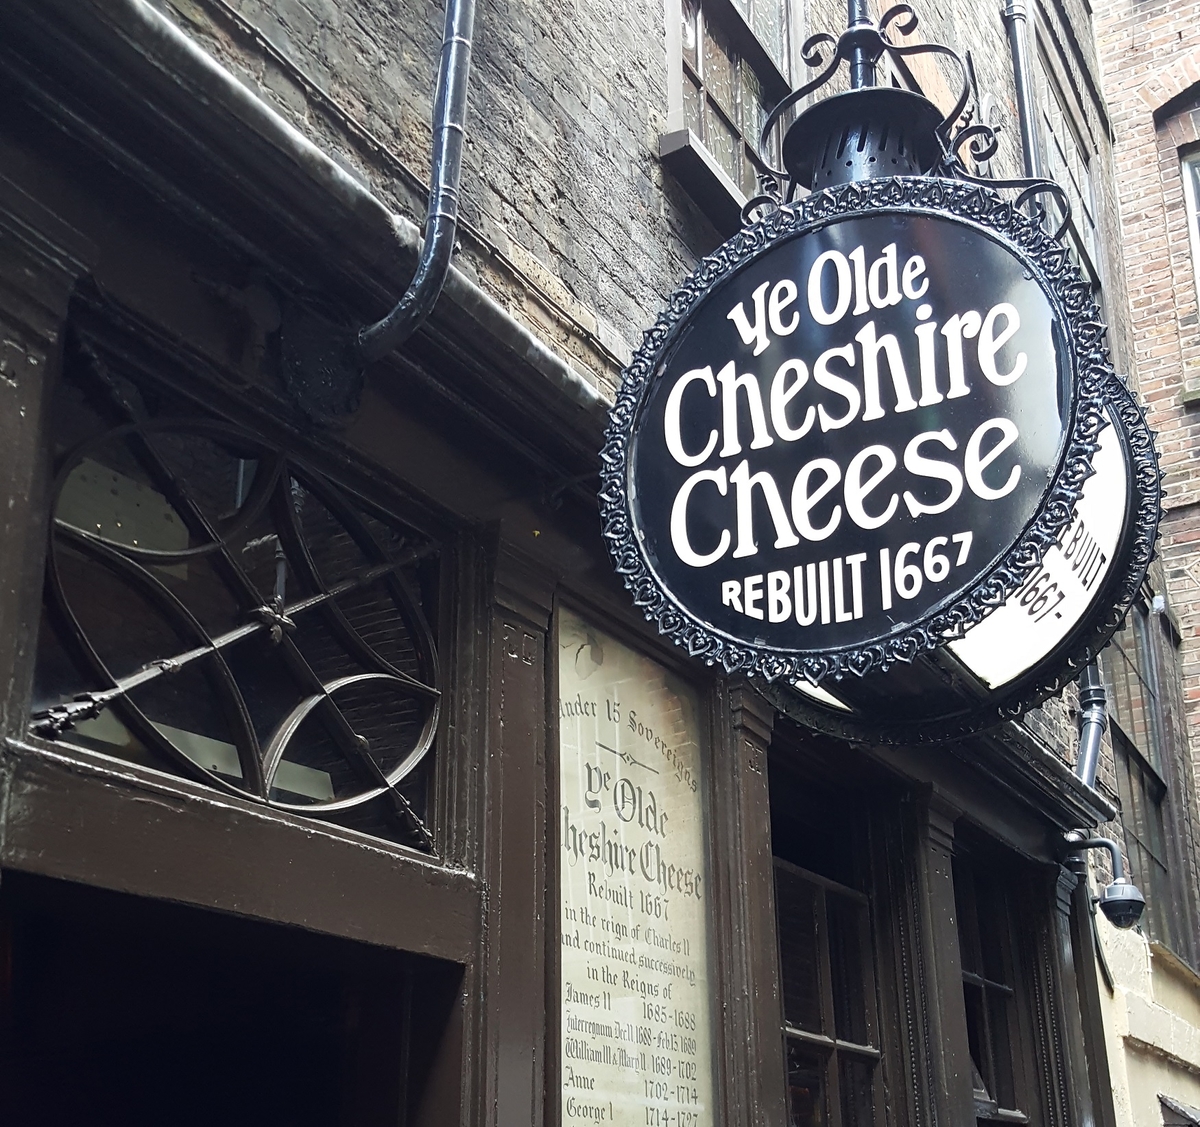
<point>633,890</point>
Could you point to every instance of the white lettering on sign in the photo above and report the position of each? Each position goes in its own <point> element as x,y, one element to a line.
<point>831,414</point>
<point>832,590</point>
<point>636,1018</point>
<point>885,379</point>
<point>864,380</point>
<point>862,489</point>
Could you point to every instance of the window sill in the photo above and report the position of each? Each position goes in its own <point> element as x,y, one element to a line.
<point>1189,396</point>
<point>1160,952</point>
<point>182,841</point>
<point>703,179</point>
<point>986,1110</point>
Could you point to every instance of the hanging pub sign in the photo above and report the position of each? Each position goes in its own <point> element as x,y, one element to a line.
<point>874,454</point>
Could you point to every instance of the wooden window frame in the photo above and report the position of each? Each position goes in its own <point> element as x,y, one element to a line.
<point>303,869</point>
<point>988,1109</point>
<point>1147,786</point>
<point>738,117</point>
<point>1144,797</point>
<point>685,149</point>
<point>836,1049</point>
<point>1189,170</point>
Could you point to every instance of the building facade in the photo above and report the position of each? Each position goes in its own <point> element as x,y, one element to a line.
<point>1146,54</point>
<point>322,702</point>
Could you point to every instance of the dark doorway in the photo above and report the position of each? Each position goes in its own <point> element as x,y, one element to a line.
<point>119,1010</point>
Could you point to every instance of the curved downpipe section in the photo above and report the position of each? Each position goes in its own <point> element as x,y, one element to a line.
<point>441,221</point>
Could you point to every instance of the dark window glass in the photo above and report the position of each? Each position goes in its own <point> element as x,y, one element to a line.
<point>990,978</point>
<point>1068,163</point>
<point>218,609</point>
<point>723,99</point>
<point>1130,669</point>
<point>830,1020</point>
<point>1191,194</point>
<point>1129,675</point>
<point>1143,796</point>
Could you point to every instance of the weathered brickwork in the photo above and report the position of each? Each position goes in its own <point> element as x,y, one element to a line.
<point>569,219</point>
<point>1150,55</point>
<point>1151,59</point>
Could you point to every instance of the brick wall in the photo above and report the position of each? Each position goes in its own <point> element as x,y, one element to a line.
<point>1150,55</point>
<point>569,219</point>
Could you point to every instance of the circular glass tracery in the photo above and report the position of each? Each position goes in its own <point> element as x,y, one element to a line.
<point>234,613</point>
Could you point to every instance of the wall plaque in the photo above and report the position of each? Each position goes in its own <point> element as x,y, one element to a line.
<point>636,1022</point>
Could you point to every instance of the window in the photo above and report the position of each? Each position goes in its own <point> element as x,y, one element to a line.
<point>1130,669</point>
<point>1068,163</point>
<point>215,608</point>
<point>990,981</point>
<point>723,98</point>
<point>830,1021</point>
<point>1191,192</point>
<point>729,64</point>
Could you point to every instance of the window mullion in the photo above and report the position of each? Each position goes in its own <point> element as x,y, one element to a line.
<point>828,1014</point>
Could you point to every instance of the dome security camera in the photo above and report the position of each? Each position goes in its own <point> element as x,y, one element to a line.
<point>1122,903</point>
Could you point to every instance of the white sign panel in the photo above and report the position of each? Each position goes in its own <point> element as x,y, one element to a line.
<point>636,1016</point>
<point>1035,619</point>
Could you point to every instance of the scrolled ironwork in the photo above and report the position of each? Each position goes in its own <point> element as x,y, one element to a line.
<point>317,651</point>
<point>983,142</point>
<point>758,206</point>
<point>894,14</point>
<point>812,54</point>
<point>868,40</point>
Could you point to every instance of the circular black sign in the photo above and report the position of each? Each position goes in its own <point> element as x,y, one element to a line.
<point>855,427</point>
<point>855,431</point>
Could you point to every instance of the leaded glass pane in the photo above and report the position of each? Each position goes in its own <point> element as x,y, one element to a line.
<point>769,22</point>
<point>754,112</point>
<point>724,144</point>
<point>692,101</point>
<point>689,19</point>
<point>720,69</point>
<point>749,175</point>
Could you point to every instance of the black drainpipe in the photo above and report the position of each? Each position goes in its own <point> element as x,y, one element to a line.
<point>1093,718</point>
<point>441,220</point>
<point>1016,20</point>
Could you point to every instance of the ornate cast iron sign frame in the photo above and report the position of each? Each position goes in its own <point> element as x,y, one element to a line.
<point>872,153</point>
<point>1046,259</point>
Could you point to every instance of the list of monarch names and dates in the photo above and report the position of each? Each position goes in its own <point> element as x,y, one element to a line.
<point>636,1040</point>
